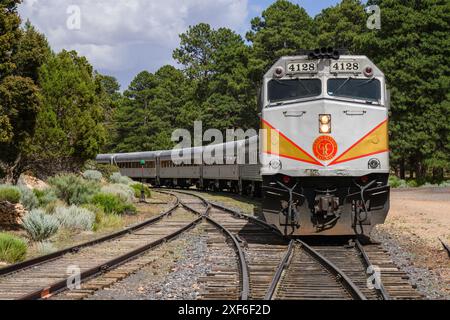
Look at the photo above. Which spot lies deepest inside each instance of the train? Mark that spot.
(322, 153)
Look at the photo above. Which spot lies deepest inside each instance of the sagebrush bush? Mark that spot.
(93, 175)
(445, 184)
(39, 225)
(45, 248)
(28, 199)
(46, 196)
(137, 187)
(125, 192)
(113, 204)
(51, 207)
(10, 193)
(73, 189)
(75, 218)
(12, 249)
(120, 179)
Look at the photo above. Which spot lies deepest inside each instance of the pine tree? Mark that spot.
(19, 100)
(283, 29)
(70, 126)
(413, 48)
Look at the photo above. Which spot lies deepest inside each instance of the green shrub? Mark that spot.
(98, 212)
(10, 193)
(113, 204)
(12, 249)
(125, 192)
(93, 175)
(28, 199)
(39, 225)
(45, 197)
(396, 182)
(137, 187)
(75, 218)
(108, 221)
(412, 184)
(72, 189)
(106, 169)
(119, 179)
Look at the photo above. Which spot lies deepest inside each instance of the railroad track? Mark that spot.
(271, 267)
(249, 260)
(264, 248)
(47, 276)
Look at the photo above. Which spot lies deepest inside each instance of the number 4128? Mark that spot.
(348, 66)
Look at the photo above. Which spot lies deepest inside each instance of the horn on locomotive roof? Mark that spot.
(324, 53)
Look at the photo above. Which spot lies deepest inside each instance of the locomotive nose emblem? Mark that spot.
(325, 148)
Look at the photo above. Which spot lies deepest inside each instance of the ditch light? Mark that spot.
(325, 123)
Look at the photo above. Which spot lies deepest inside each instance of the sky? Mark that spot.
(124, 37)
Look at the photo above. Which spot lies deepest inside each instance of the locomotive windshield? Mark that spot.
(364, 89)
(284, 90)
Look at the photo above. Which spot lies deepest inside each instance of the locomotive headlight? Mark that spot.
(325, 119)
(325, 128)
(325, 123)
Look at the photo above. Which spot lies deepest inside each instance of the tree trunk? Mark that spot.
(438, 174)
(419, 170)
(13, 172)
(402, 169)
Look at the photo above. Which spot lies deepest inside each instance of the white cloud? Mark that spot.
(123, 37)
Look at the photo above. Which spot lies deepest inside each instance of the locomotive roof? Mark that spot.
(282, 62)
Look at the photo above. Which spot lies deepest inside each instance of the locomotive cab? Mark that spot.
(324, 145)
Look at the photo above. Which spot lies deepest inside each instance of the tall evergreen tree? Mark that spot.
(283, 29)
(340, 26)
(217, 61)
(19, 106)
(413, 48)
(32, 52)
(70, 125)
(19, 101)
(9, 35)
(138, 127)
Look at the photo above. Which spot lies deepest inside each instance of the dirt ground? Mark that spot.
(417, 220)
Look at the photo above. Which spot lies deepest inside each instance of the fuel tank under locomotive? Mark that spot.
(303, 206)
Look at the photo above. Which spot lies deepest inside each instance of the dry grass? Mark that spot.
(246, 205)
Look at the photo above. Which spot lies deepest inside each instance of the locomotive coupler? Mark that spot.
(327, 205)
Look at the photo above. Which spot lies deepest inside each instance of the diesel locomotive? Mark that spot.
(323, 149)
